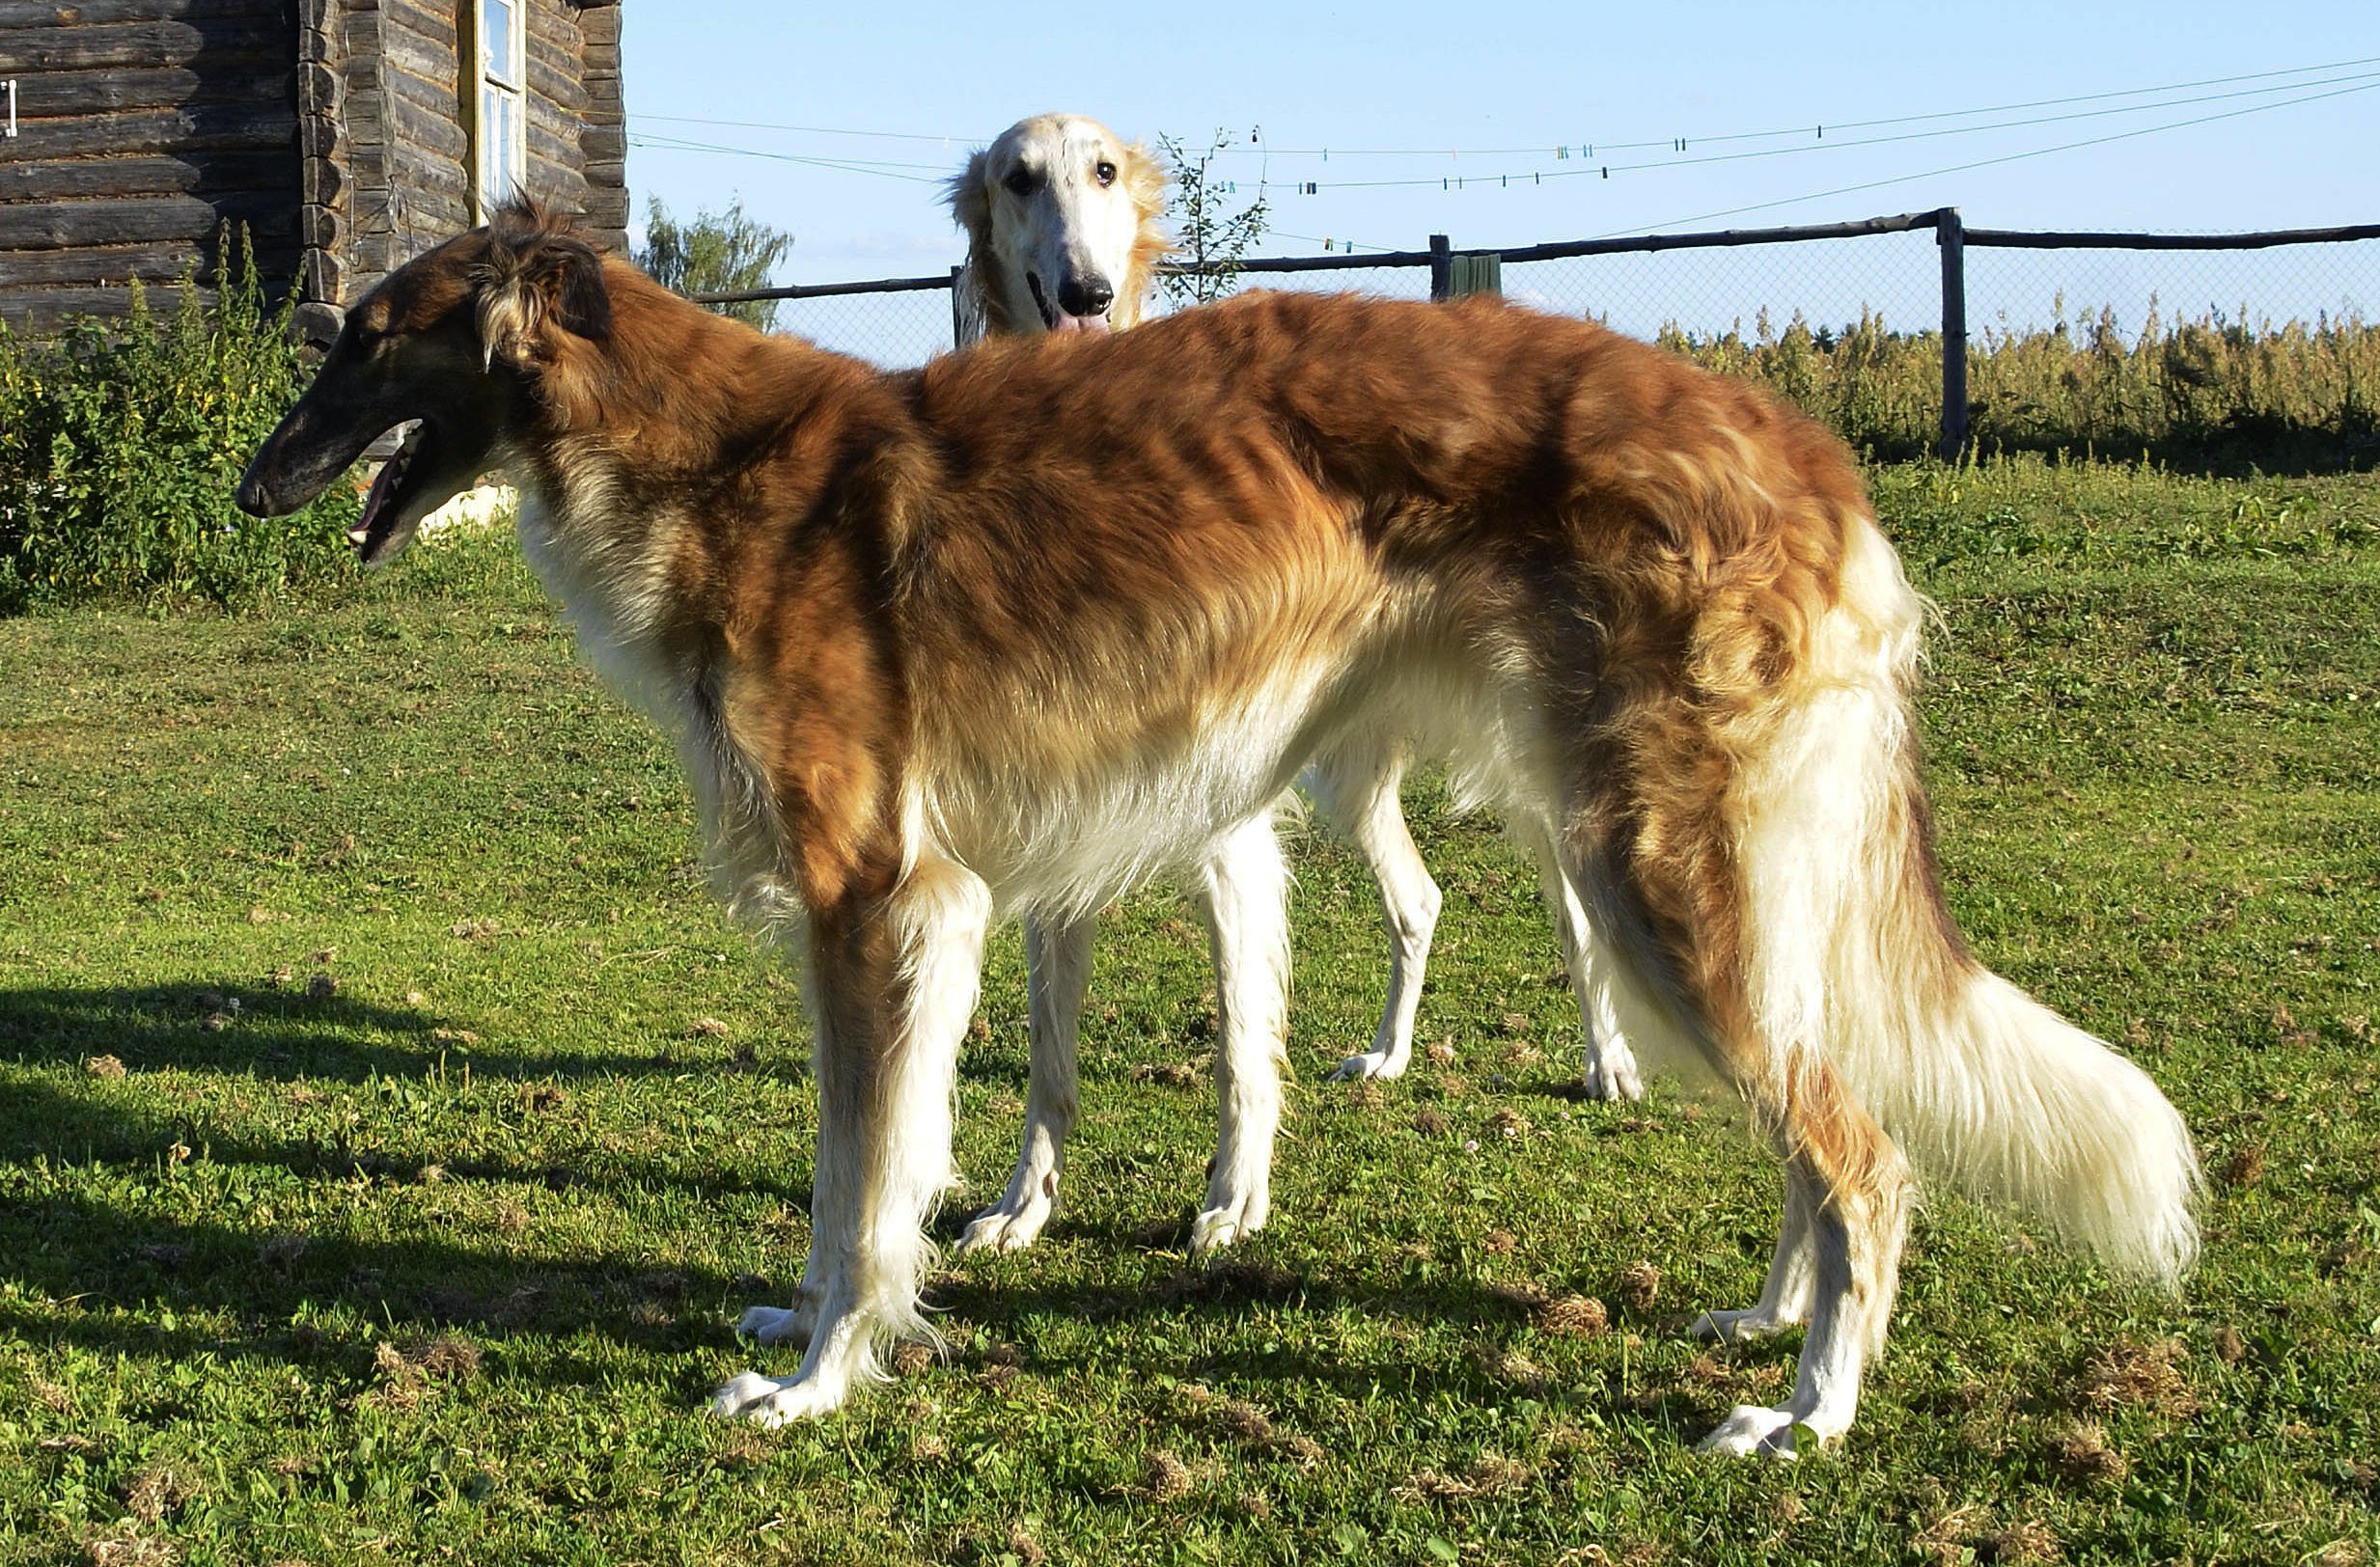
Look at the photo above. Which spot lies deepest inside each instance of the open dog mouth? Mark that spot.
(374, 531)
(1056, 318)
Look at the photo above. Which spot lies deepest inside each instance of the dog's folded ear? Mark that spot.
(970, 196)
(538, 277)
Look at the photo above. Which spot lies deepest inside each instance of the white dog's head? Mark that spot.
(1063, 232)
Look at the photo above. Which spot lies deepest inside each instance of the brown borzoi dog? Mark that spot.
(1059, 196)
(1020, 629)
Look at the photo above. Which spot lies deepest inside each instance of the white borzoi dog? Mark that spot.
(1014, 632)
(1062, 219)
(1064, 229)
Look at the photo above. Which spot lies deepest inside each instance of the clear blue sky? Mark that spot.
(1524, 76)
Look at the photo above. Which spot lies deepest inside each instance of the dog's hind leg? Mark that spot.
(893, 982)
(1792, 1275)
(1856, 1190)
(1243, 895)
(1609, 1066)
(1057, 968)
(1358, 791)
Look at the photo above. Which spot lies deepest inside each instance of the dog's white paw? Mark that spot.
(1380, 1064)
(778, 1325)
(769, 1401)
(1228, 1221)
(1002, 1228)
(1748, 1429)
(1612, 1074)
(1741, 1327)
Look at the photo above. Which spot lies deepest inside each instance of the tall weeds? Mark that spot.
(2215, 391)
(121, 442)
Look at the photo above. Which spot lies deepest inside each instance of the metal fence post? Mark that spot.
(1441, 268)
(1951, 233)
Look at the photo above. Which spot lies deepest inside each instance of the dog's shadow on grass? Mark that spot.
(114, 1279)
(121, 1281)
(141, 1261)
(271, 1033)
(121, 1269)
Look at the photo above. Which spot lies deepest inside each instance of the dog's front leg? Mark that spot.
(1057, 968)
(892, 988)
(1243, 893)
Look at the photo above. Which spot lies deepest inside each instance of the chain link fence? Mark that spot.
(2261, 347)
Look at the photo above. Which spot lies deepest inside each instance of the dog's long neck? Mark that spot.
(658, 451)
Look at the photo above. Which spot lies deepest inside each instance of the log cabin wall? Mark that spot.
(143, 126)
(394, 104)
(337, 131)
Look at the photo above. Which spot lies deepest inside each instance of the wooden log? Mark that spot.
(320, 89)
(599, 25)
(419, 130)
(408, 51)
(199, 173)
(445, 184)
(438, 216)
(94, 266)
(215, 127)
(83, 46)
(59, 225)
(30, 14)
(361, 130)
(320, 181)
(321, 227)
(36, 312)
(427, 94)
(555, 80)
(60, 94)
(435, 26)
(604, 142)
(550, 19)
(323, 276)
(551, 144)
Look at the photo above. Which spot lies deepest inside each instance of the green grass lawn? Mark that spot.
(391, 1129)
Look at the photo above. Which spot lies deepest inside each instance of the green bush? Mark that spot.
(121, 442)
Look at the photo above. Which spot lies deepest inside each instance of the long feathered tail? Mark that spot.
(1983, 1087)
(2017, 1105)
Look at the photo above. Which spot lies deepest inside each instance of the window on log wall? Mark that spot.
(495, 100)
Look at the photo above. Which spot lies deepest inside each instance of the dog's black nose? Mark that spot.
(254, 496)
(1079, 296)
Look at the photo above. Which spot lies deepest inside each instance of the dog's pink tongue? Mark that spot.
(1095, 326)
(383, 485)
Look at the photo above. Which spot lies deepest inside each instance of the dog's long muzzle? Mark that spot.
(1082, 302)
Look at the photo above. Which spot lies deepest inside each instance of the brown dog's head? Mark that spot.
(452, 342)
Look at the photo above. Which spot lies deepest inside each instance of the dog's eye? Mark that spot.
(1020, 182)
(1106, 171)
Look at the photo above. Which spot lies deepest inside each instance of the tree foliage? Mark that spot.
(715, 253)
(1212, 231)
